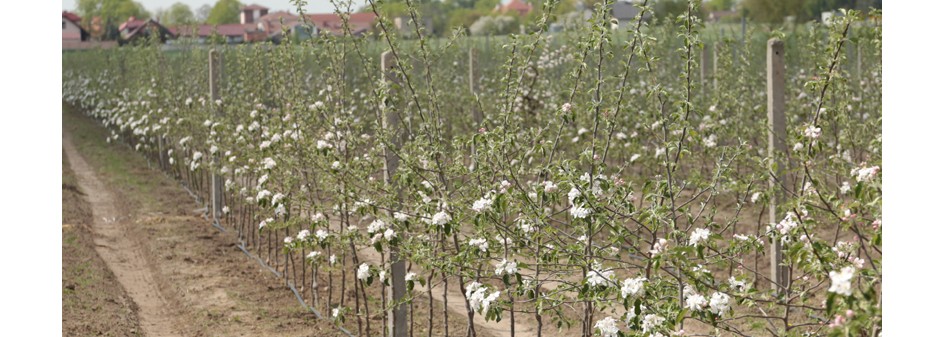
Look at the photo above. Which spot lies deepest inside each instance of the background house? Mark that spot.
(251, 13)
(136, 31)
(359, 23)
(517, 6)
(71, 30)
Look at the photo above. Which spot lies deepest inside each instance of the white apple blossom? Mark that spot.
(631, 286)
(441, 218)
(718, 303)
(376, 226)
(389, 234)
(865, 174)
(652, 321)
(364, 271)
(659, 246)
(482, 204)
(845, 187)
(482, 244)
(841, 281)
(400, 216)
(698, 235)
(476, 295)
(506, 267)
(573, 194)
(566, 107)
(598, 276)
(812, 132)
(695, 301)
(580, 212)
(607, 327)
(737, 284)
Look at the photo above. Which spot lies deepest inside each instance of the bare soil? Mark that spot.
(181, 276)
(93, 302)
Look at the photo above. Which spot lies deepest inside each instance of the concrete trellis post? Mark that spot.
(777, 149)
(397, 318)
(216, 75)
(715, 66)
(704, 65)
(474, 81)
(474, 89)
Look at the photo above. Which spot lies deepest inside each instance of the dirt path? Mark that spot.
(122, 253)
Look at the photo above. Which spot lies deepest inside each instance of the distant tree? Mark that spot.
(486, 5)
(462, 17)
(494, 25)
(177, 14)
(202, 13)
(774, 11)
(111, 13)
(225, 11)
(719, 5)
(671, 9)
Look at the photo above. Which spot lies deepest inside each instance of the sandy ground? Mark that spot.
(138, 261)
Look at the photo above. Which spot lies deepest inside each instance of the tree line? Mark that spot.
(473, 16)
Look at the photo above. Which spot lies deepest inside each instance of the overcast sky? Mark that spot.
(314, 6)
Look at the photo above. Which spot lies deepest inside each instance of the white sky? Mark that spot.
(314, 6)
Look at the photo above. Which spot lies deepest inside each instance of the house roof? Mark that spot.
(516, 5)
(71, 17)
(233, 29)
(253, 7)
(132, 23)
(229, 30)
(357, 22)
(136, 26)
(272, 23)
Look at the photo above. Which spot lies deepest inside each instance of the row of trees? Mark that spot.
(111, 13)
(452, 14)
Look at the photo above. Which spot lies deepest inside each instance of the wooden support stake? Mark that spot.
(715, 66)
(216, 72)
(704, 68)
(397, 317)
(777, 150)
(474, 89)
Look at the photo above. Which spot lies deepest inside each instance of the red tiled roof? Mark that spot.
(71, 17)
(517, 5)
(358, 22)
(231, 29)
(253, 7)
(135, 27)
(272, 23)
(131, 24)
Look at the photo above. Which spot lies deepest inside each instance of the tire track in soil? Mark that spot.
(121, 252)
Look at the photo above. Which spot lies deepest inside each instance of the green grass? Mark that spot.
(116, 162)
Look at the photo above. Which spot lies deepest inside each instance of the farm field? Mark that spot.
(666, 180)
